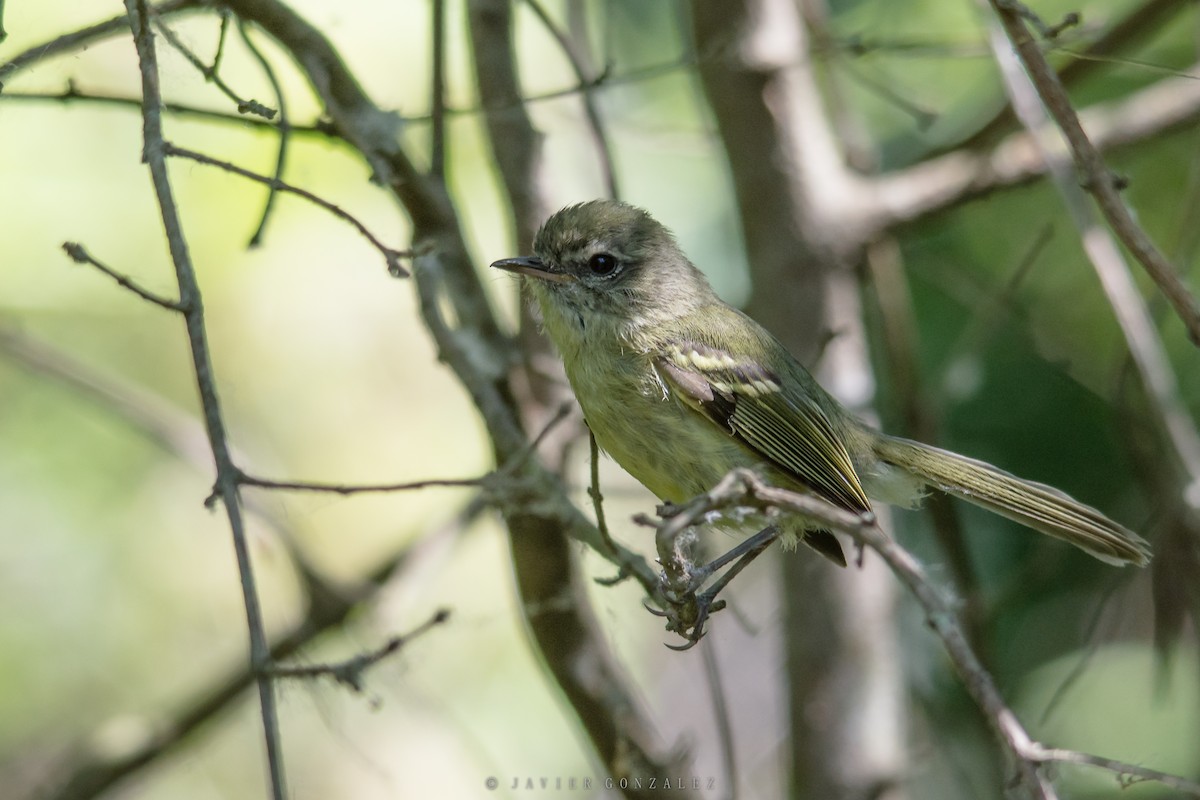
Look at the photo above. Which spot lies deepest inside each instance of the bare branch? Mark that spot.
(189, 298)
(78, 40)
(284, 126)
(363, 488)
(73, 94)
(494, 481)
(1096, 177)
(81, 256)
(391, 256)
(212, 76)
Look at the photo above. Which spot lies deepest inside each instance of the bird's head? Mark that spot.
(608, 260)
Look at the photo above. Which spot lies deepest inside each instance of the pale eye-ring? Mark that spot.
(602, 264)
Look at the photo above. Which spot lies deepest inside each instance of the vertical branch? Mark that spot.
(437, 104)
(226, 488)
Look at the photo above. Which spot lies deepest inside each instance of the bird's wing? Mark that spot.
(771, 416)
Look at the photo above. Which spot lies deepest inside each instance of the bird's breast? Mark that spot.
(653, 435)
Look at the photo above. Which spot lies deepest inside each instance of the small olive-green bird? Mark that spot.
(680, 388)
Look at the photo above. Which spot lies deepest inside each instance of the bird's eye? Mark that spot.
(602, 264)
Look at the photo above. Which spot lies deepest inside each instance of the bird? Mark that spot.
(680, 388)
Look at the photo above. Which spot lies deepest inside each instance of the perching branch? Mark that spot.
(743, 489)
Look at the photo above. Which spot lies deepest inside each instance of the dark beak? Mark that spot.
(532, 266)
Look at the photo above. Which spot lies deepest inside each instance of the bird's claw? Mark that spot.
(686, 613)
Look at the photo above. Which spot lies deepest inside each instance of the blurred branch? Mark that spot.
(92, 774)
(915, 192)
(716, 691)
(351, 671)
(1139, 330)
(1097, 179)
(437, 91)
(587, 84)
(390, 255)
(171, 430)
(193, 314)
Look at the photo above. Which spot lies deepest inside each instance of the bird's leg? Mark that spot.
(688, 609)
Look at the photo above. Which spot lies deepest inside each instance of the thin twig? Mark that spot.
(391, 255)
(284, 126)
(351, 671)
(189, 297)
(72, 93)
(1139, 23)
(1126, 774)
(211, 75)
(490, 482)
(222, 36)
(81, 256)
(594, 491)
(364, 488)
(1095, 175)
(78, 40)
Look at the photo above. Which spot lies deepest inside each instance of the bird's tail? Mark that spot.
(1041, 507)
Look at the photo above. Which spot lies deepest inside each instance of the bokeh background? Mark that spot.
(119, 589)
